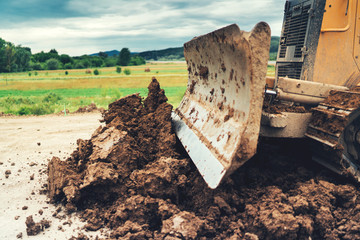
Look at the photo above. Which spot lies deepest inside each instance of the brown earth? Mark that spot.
(344, 100)
(90, 108)
(133, 177)
(277, 107)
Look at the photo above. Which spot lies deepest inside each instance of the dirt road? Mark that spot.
(26, 146)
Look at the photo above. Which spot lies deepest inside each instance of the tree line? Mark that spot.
(19, 59)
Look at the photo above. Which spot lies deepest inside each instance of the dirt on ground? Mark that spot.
(134, 178)
(90, 108)
(27, 144)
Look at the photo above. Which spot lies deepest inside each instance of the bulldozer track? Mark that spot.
(334, 133)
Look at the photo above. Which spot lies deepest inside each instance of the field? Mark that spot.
(45, 92)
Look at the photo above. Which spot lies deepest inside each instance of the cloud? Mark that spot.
(77, 27)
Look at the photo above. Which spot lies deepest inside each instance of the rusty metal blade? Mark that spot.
(218, 119)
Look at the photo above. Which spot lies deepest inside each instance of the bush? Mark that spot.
(96, 72)
(66, 73)
(36, 66)
(29, 74)
(68, 66)
(40, 110)
(24, 111)
(118, 69)
(127, 71)
(52, 98)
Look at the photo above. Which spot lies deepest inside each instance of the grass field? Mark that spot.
(44, 92)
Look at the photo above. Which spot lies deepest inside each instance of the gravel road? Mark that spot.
(26, 146)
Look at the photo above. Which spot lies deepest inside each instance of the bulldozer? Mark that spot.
(229, 101)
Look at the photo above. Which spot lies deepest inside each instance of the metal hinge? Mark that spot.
(311, 12)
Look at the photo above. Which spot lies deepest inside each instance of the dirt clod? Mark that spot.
(33, 228)
(133, 177)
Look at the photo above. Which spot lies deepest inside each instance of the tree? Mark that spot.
(103, 55)
(64, 58)
(52, 64)
(54, 51)
(137, 60)
(96, 61)
(68, 66)
(2, 55)
(110, 61)
(9, 56)
(22, 58)
(124, 57)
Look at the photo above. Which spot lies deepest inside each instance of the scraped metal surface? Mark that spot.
(218, 119)
(210, 168)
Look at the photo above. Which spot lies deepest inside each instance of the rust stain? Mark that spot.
(229, 115)
(231, 75)
(242, 80)
(192, 86)
(221, 106)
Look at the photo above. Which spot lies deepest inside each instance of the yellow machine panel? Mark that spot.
(338, 47)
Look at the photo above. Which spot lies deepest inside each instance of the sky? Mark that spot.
(78, 27)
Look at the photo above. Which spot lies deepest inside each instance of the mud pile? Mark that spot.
(90, 108)
(134, 178)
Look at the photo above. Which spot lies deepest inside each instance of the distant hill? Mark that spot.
(169, 54)
(111, 53)
(161, 55)
(165, 54)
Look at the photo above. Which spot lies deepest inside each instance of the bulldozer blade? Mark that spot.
(218, 119)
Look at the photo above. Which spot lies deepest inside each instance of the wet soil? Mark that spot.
(134, 178)
(344, 100)
(277, 107)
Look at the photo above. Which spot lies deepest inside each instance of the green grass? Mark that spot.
(24, 93)
(50, 91)
(13, 101)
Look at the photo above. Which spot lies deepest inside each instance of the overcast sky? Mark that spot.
(77, 27)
